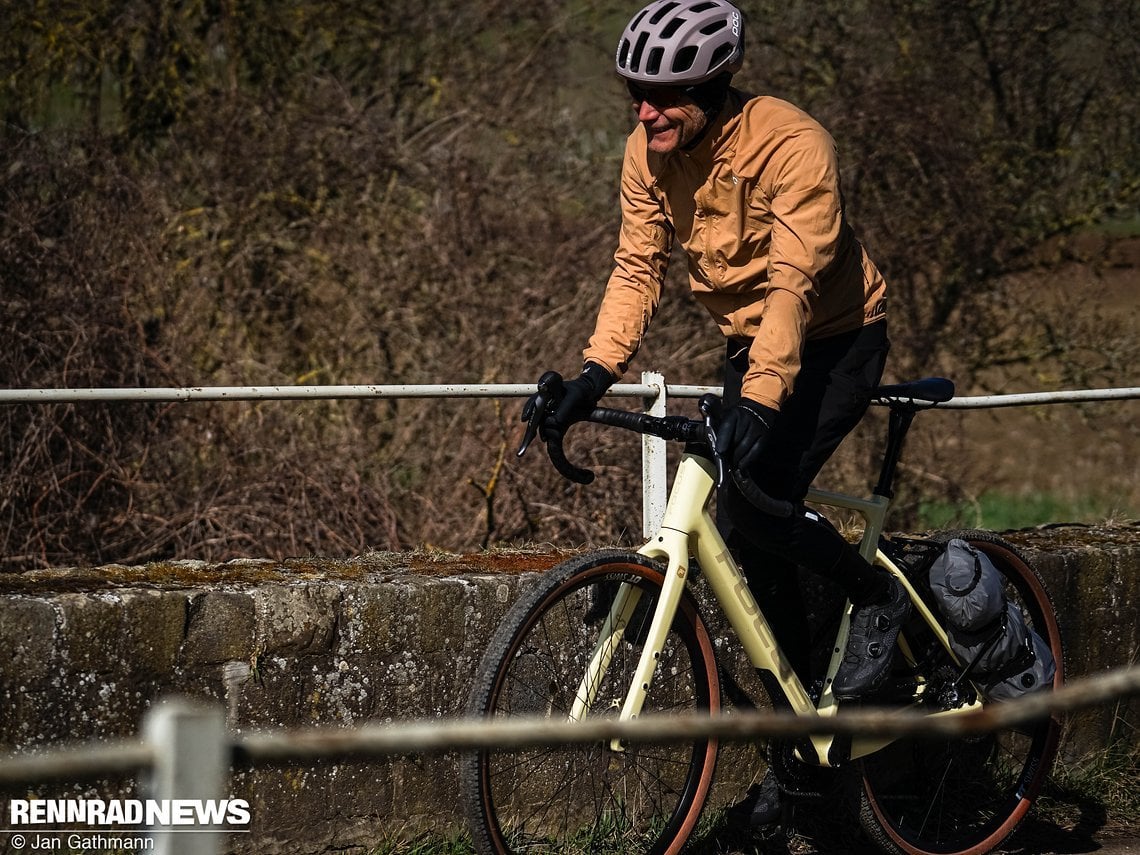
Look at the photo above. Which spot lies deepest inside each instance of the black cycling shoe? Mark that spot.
(871, 644)
(762, 806)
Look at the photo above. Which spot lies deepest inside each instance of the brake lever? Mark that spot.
(531, 430)
(549, 394)
(710, 406)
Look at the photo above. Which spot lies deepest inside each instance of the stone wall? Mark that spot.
(84, 653)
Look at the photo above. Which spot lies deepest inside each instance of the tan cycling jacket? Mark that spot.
(757, 207)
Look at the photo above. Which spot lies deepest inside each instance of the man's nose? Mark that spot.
(646, 112)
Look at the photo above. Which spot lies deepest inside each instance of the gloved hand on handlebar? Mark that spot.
(579, 398)
(741, 433)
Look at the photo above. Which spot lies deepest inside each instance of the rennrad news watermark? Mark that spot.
(115, 825)
(134, 812)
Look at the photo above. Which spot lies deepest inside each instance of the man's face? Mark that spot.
(671, 118)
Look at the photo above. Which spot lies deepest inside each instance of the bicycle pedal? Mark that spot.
(899, 690)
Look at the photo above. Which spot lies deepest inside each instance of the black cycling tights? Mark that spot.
(832, 392)
(769, 551)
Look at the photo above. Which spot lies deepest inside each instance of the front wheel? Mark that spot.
(543, 661)
(965, 796)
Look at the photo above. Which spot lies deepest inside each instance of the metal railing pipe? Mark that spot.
(653, 389)
(293, 393)
(1075, 396)
(438, 736)
(649, 390)
(433, 737)
(85, 762)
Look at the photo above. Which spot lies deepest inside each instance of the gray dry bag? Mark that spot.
(1003, 656)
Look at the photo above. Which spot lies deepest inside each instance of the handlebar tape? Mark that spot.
(636, 422)
(558, 457)
(761, 500)
(668, 427)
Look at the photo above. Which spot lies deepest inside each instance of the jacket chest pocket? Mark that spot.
(757, 207)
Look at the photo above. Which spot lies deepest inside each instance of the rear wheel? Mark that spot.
(967, 795)
(590, 797)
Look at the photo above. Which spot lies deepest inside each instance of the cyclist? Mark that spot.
(750, 188)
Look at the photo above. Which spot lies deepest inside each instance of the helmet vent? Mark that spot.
(671, 28)
(683, 61)
(638, 49)
(653, 64)
(623, 53)
(703, 7)
(720, 54)
(662, 12)
(714, 27)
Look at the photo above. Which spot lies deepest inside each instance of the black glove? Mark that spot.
(578, 400)
(741, 433)
(582, 395)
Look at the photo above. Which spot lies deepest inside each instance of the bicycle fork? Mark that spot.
(613, 631)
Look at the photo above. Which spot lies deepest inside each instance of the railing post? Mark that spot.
(654, 465)
(190, 761)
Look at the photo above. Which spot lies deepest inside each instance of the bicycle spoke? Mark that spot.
(609, 800)
(968, 794)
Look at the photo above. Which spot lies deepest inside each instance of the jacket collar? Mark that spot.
(718, 138)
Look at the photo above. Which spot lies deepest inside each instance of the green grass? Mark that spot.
(457, 843)
(1098, 788)
(1101, 784)
(1118, 227)
(1001, 511)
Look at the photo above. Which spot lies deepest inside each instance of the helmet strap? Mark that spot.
(710, 97)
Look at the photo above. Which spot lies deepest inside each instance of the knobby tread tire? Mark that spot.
(559, 584)
(876, 819)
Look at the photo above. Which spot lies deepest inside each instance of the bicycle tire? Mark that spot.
(587, 797)
(966, 796)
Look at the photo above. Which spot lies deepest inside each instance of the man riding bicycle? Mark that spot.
(750, 187)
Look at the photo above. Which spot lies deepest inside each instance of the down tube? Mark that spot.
(731, 589)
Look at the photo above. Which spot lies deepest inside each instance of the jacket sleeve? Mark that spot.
(802, 181)
(633, 291)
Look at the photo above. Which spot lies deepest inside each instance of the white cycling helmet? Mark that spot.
(681, 43)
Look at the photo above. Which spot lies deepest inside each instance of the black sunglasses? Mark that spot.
(659, 96)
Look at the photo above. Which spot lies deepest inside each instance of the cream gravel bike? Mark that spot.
(620, 633)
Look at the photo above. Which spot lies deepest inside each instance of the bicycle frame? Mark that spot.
(689, 529)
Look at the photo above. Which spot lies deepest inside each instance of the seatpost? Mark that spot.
(901, 417)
